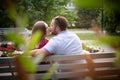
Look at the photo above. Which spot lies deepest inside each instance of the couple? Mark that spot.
(64, 43)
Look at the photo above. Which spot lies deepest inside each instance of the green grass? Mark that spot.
(86, 36)
(82, 36)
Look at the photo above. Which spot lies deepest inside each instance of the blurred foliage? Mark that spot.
(39, 9)
(17, 40)
(111, 17)
(110, 14)
(18, 15)
(4, 18)
(87, 16)
(26, 63)
(69, 14)
(34, 9)
(88, 3)
(114, 42)
(23, 62)
(35, 38)
(9, 9)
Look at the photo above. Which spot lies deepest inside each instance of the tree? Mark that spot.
(86, 16)
(70, 15)
(5, 21)
(111, 13)
(111, 17)
(35, 9)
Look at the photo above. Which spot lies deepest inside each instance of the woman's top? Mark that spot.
(42, 43)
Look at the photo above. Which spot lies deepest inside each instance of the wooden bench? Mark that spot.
(6, 68)
(97, 66)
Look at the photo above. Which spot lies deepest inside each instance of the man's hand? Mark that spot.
(35, 52)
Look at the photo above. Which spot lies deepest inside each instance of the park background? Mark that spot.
(100, 16)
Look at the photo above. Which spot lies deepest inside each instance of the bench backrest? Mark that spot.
(6, 68)
(98, 66)
(95, 65)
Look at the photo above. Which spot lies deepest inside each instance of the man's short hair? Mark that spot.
(62, 22)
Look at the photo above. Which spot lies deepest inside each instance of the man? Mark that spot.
(64, 43)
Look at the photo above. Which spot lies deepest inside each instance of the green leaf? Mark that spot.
(12, 11)
(88, 3)
(15, 38)
(27, 63)
(38, 58)
(113, 41)
(34, 39)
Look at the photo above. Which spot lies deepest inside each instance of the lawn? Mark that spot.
(82, 36)
(87, 36)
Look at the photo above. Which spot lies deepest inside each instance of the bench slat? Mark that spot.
(78, 57)
(4, 69)
(64, 58)
(71, 66)
(107, 72)
(63, 66)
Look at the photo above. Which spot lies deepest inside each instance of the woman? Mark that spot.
(43, 27)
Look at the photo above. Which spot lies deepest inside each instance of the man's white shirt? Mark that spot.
(64, 43)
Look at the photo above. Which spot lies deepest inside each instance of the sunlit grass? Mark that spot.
(87, 36)
(82, 36)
